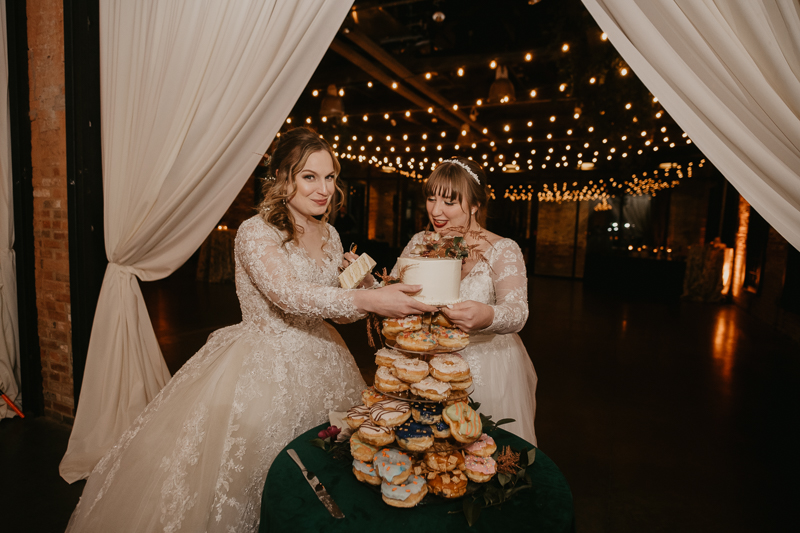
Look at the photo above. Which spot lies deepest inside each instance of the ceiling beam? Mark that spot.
(379, 75)
(387, 60)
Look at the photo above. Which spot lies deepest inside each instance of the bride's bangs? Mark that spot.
(445, 181)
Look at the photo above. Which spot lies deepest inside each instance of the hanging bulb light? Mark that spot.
(331, 104)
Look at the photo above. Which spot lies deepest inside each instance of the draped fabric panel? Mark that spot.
(9, 327)
(728, 72)
(192, 93)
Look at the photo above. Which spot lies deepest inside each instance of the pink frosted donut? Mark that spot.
(483, 447)
(479, 469)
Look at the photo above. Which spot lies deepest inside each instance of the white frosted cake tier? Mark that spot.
(440, 278)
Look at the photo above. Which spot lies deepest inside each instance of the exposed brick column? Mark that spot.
(49, 172)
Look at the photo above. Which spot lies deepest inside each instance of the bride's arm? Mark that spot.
(510, 311)
(511, 289)
(266, 264)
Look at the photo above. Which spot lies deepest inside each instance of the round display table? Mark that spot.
(289, 503)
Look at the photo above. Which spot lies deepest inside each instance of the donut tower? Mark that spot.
(415, 432)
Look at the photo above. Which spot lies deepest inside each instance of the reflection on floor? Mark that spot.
(663, 417)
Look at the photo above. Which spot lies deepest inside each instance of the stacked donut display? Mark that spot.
(415, 432)
(411, 333)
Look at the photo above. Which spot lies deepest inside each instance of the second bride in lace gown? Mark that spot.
(196, 458)
(494, 296)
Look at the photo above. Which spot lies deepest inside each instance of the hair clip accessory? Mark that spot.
(465, 167)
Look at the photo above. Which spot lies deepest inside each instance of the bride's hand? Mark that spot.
(470, 315)
(392, 301)
(349, 258)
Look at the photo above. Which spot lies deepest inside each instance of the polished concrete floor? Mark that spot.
(663, 416)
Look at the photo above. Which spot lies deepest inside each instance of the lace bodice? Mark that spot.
(280, 286)
(500, 282)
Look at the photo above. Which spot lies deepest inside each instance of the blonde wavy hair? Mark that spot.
(280, 186)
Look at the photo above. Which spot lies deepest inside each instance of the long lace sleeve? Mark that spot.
(511, 288)
(268, 266)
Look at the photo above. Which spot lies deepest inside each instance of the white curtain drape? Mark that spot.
(728, 72)
(9, 327)
(192, 93)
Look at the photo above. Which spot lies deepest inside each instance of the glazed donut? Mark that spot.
(441, 430)
(413, 436)
(371, 397)
(361, 450)
(480, 469)
(449, 367)
(416, 341)
(426, 413)
(390, 413)
(440, 320)
(450, 338)
(387, 356)
(483, 447)
(393, 326)
(385, 381)
(374, 434)
(461, 385)
(465, 423)
(410, 370)
(443, 461)
(447, 484)
(431, 389)
(356, 416)
(406, 494)
(392, 465)
(365, 472)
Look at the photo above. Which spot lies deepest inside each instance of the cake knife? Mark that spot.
(319, 490)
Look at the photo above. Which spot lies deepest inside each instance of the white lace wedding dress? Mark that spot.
(195, 460)
(502, 372)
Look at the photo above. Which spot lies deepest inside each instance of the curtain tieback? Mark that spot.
(125, 269)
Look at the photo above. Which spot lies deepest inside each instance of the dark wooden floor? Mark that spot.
(662, 416)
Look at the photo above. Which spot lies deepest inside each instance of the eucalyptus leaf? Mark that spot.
(531, 456)
(319, 443)
(474, 405)
(503, 421)
(503, 478)
(472, 511)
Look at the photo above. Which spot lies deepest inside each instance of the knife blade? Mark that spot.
(319, 489)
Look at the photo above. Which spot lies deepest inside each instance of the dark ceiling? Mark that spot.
(402, 68)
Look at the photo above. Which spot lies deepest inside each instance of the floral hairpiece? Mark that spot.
(465, 167)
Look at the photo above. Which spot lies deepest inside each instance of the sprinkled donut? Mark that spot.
(365, 472)
(480, 469)
(416, 341)
(407, 494)
(450, 337)
(394, 326)
(426, 413)
(413, 436)
(360, 449)
(483, 447)
(392, 465)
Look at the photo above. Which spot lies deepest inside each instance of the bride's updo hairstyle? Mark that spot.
(280, 186)
(460, 178)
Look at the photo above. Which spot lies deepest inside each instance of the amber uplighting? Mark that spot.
(725, 337)
(741, 247)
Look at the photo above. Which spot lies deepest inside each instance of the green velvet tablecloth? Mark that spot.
(289, 504)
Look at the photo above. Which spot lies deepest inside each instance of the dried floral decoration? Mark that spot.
(452, 246)
(508, 461)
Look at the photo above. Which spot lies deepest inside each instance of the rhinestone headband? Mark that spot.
(465, 167)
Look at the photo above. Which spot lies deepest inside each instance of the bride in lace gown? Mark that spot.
(494, 296)
(196, 458)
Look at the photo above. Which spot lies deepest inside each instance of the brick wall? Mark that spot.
(49, 161)
(555, 239)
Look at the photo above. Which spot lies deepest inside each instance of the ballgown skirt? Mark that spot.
(197, 457)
